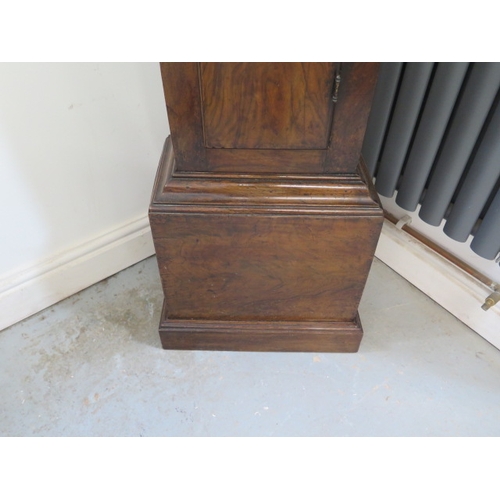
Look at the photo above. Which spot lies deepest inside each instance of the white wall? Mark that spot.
(79, 147)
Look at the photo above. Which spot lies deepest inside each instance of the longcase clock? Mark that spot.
(263, 217)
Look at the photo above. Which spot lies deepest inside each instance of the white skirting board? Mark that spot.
(28, 291)
(451, 287)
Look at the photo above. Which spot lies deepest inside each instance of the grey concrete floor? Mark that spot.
(92, 365)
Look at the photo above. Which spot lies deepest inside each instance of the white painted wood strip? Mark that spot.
(27, 291)
(451, 287)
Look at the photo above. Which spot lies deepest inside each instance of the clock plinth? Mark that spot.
(265, 264)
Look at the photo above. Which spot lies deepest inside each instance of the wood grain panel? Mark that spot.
(263, 268)
(267, 105)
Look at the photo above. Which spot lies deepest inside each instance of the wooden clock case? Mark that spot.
(263, 217)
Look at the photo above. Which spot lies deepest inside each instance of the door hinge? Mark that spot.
(336, 87)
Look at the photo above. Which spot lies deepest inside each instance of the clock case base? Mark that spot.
(262, 262)
(266, 336)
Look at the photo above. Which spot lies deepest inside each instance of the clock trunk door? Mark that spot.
(253, 117)
(267, 106)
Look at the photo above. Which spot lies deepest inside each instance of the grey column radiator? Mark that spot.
(434, 138)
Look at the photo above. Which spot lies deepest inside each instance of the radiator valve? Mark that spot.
(491, 300)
